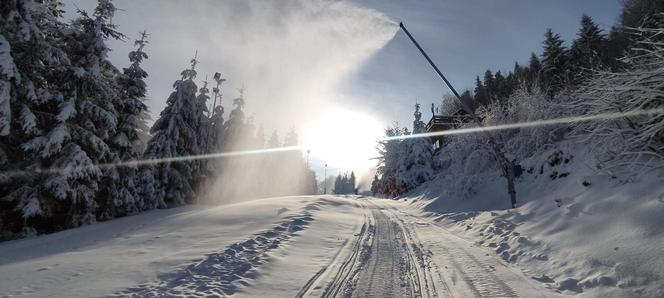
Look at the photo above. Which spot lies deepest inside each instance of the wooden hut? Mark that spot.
(444, 122)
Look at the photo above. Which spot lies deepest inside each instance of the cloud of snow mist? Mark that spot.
(291, 56)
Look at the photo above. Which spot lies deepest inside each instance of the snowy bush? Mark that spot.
(631, 139)
(526, 105)
(467, 159)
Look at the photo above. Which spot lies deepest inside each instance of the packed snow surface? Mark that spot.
(329, 246)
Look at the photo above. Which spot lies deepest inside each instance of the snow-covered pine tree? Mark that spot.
(480, 95)
(66, 112)
(89, 116)
(554, 61)
(217, 128)
(534, 71)
(234, 127)
(203, 132)
(418, 125)
(489, 85)
(337, 185)
(389, 154)
(273, 142)
(291, 138)
(375, 185)
(32, 66)
(351, 182)
(175, 135)
(8, 73)
(204, 124)
(415, 162)
(587, 51)
(120, 196)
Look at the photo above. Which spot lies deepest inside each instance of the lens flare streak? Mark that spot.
(134, 163)
(564, 120)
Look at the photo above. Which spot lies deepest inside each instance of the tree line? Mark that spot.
(345, 184)
(73, 125)
(615, 72)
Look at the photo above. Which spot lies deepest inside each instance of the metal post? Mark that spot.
(506, 165)
(308, 152)
(325, 181)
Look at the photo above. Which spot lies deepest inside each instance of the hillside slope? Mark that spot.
(576, 230)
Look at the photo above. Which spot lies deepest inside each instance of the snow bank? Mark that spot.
(577, 231)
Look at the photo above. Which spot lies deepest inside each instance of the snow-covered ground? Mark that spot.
(601, 241)
(576, 231)
(281, 247)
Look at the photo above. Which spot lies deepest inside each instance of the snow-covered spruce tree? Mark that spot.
(273, 142)
(418, 125)
(174, 134)
(204, 124)
(90, 116)
(234, 127)
(120, 195)
(203, 132)
(415, 167)
(630, 140)
(390, 151)
(587, 52)
(534, 71)
(415, 162)
(217, 129)
(32, 66)
(66, 112)
(352, 182)
(344, 184)
(8, 73)
(337, 185)
(554, 73)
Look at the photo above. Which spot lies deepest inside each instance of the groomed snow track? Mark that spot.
(383, 259)
(386, 258)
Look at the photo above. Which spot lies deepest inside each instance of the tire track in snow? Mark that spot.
(387, 271)
(477, 276)
(220, 273)
(422, 263)
(346, 270)
(381, 262)
(346, 267)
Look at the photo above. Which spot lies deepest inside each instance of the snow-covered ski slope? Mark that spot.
(318, 246)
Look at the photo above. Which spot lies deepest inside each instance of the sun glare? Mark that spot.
(343, 138)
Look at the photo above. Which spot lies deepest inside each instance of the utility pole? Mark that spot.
(507, 166)
(325, 181)
(308, 152)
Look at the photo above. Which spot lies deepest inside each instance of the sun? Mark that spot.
(343, 138)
